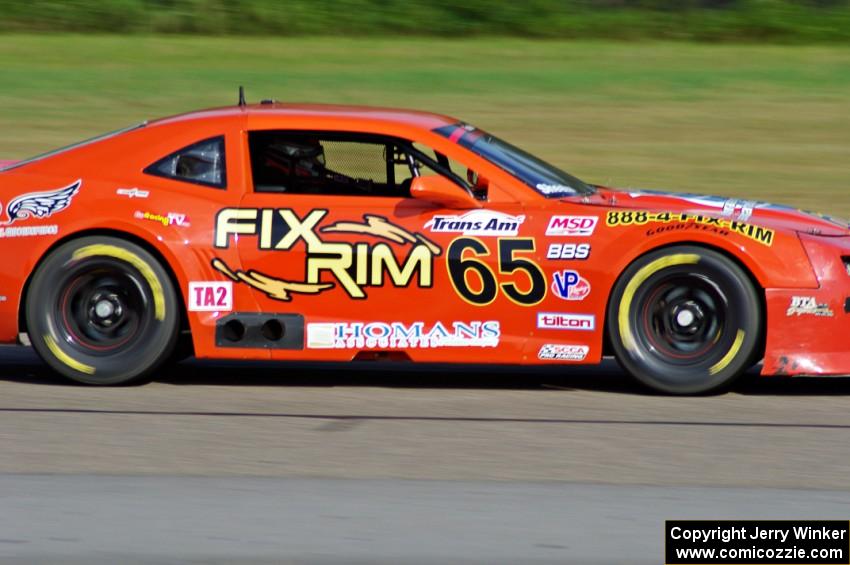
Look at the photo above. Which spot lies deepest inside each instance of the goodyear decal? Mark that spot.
(758, 234)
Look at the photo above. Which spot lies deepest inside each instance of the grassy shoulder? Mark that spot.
(801, 21)
(768, 122)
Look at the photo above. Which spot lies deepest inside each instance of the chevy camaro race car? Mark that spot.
(338, 233)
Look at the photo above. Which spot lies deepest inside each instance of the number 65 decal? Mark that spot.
(464, 257)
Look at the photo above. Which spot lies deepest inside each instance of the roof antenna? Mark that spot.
(242, 96)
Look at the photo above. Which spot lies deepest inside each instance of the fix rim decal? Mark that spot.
(353, 266)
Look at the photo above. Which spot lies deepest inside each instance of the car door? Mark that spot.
(330, 238)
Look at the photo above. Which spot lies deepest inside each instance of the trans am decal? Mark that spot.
(639, 217)
(477, 222)
(354, 266)
(398, 335)
(41, 204)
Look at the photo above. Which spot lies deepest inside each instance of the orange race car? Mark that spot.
(308, 232)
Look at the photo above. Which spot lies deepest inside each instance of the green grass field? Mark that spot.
(769, 122)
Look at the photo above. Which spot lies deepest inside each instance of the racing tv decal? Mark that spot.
(354, 266)
(41, 204)
(758, 234)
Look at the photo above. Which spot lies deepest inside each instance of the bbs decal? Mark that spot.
(568, 251)
(519, 278)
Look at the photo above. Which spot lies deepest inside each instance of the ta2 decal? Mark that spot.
(211, 296)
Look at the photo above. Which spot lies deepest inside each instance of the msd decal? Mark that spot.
(570, 285)
(212, 296)
(399, 335)
(477, 222)
(571, 225)
(558, 321)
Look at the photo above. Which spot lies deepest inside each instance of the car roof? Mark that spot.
(394, 116)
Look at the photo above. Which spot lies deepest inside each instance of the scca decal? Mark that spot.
(636, 217)
(354, 266)
(463, 257)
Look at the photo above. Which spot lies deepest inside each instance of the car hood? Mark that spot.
(776, 216)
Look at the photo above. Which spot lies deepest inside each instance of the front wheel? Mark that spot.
(103, 311)
(685, 320)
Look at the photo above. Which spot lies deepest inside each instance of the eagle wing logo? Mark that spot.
(42, 204)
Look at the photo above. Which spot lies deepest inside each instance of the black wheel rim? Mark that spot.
(684, 319)
(102, 305)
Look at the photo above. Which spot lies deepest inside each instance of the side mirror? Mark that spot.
(442, 191)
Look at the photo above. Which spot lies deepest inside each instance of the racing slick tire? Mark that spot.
(685, 320)
(102, 311)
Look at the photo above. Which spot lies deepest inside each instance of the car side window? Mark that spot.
(200, 163)
(334, 163)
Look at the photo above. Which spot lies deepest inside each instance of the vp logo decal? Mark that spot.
(570, 285)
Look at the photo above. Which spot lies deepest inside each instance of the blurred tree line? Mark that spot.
(701, 20)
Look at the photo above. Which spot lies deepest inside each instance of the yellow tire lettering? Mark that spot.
(736, 347)
(65, 358)
(101, 249)
(638, 279)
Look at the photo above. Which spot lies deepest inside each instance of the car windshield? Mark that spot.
(17, 164)
(549, 181)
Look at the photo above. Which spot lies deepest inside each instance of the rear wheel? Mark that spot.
(102, 310)
(685, 320)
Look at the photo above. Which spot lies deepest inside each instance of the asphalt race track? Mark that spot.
(228, 463)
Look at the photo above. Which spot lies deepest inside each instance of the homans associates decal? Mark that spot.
(401, 335)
